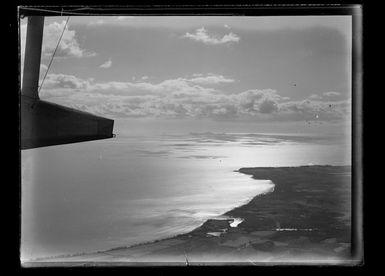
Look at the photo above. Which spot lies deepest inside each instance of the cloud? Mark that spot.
(203, 36)
(315, 110)
(43, 67)
(184, 98)
(315, 97)
(331, 94)
(211, 79)
(107, 64)
(58, 84)
(256, 101)
(68, 47)
(268, 106)
(179, 87)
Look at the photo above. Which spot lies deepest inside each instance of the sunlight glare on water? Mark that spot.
(103, 194)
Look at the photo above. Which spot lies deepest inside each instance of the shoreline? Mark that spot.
(269, 226)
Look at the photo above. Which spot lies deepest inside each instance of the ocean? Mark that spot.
(98, 195)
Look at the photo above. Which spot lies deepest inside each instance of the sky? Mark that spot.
(170, 72)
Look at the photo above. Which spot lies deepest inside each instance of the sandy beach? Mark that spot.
(305, 219)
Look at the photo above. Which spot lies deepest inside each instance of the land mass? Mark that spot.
(306, 219)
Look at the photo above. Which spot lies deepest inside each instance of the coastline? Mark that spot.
(306, 219)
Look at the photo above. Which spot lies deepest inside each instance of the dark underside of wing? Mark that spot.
(46, 124)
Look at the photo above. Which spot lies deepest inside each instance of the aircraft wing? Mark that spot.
(43, 123)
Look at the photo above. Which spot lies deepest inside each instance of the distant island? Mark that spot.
(306, 219)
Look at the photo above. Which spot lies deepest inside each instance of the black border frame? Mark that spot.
(354, 10)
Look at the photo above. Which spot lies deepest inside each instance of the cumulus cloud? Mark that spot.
(68, 47)
(107, 64)
(211, 79)
(63, 85)
(315, 97)
(179, 87)
(331, 94)
(182, 97)
(268, 106)
(324, 96)
(203, 36)
(43, 67)
(253, 102)
(315, 110)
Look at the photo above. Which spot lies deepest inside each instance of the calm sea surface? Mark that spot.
(103, 194)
